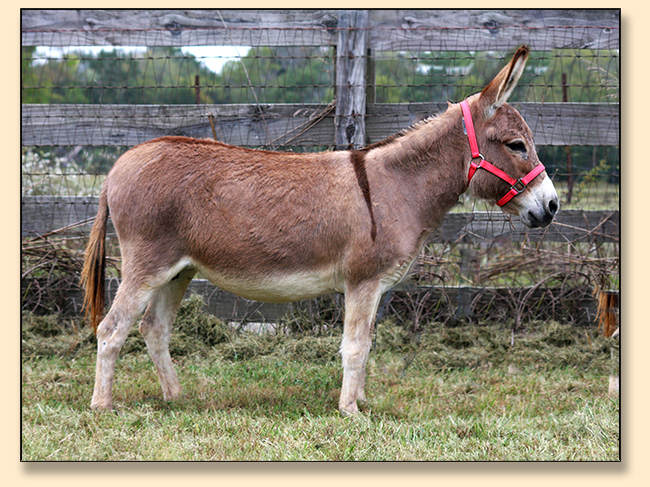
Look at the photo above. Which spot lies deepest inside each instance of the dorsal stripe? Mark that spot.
(358, 158)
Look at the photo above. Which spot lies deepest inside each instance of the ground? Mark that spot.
(472, 392)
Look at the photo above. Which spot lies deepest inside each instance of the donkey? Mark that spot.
(279, 227)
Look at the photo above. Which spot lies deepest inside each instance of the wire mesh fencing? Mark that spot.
(95, 83)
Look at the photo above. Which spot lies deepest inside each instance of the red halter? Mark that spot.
(516, 185)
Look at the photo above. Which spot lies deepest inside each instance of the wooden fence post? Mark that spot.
(351, 67)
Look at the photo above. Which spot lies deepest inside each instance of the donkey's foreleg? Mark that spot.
(111, 334)
(156, 327)
(361, 303)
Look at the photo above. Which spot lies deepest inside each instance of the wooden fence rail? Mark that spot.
(287, 124)
(46, 214)
(390, 30)
(578, 305)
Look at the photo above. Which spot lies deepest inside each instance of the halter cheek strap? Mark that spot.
(516, 185)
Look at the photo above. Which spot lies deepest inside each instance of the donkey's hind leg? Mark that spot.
(156, 327)
(129, 303)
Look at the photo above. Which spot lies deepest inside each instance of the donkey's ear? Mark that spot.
(497, 92)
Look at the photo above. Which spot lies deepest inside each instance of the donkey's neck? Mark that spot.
(431, 160)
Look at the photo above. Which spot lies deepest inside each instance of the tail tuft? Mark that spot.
(92, 276)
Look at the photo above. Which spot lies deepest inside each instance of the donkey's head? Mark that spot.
(515, 179)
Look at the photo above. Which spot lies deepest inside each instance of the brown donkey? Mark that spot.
(280, 227)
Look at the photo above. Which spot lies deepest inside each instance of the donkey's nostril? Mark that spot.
(553, 206)
(533, 221)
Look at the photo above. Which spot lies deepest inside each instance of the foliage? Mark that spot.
(585, 70)
(45, 172)
(306, 75)
(167, 76)
(591, 178)
(441, 76)
(151, 76)
(277, 75)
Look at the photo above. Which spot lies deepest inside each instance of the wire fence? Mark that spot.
(95, 83)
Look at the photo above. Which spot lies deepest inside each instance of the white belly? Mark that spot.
(278, 287)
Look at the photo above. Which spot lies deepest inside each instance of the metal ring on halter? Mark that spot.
(514, 186)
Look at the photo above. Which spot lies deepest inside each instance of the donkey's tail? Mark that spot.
(92, 276)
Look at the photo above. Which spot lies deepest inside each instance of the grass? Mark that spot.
(459, 393)
(588, 195)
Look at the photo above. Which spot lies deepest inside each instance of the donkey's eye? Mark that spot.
(516, 145)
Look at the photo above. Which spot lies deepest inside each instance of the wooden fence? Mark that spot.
(353, 119)
(357, 37)
(390, 30)
(45, 214)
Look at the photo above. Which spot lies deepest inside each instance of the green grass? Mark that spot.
(589, 195)
(453, 394)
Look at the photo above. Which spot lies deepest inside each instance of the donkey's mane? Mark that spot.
(404, 132)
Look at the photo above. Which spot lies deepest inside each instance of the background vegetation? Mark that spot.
(306, 75)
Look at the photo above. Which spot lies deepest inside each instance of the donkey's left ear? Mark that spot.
(500, 88)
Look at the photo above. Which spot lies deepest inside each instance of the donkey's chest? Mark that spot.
(396, 273)
(403, 256)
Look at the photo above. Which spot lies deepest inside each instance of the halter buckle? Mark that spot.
(514, 186)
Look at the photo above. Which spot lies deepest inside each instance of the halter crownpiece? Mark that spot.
(516, 185)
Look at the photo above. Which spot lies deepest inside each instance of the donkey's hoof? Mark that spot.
(172, 396)
(101, 406)
(349, 410)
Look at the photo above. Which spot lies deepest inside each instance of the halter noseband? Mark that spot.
(516, 185)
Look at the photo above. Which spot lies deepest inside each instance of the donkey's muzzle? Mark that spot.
(542, 217)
